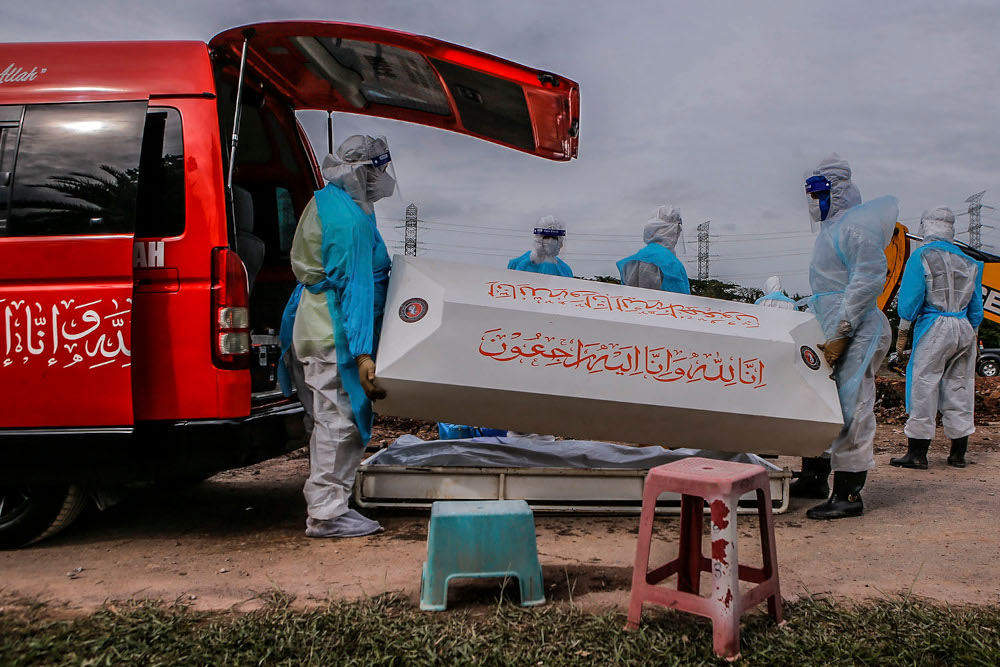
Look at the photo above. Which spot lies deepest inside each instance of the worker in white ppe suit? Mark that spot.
(941, 304)
(332, 323)
(547, 238)
(847, 274)
(773, 296)
(656, 266)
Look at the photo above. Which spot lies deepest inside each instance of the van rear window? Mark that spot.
(77, 169)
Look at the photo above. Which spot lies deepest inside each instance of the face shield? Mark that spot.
(818, 190)
(548, 237)
(362, 166)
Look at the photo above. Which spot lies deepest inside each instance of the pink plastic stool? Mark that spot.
(720, 483)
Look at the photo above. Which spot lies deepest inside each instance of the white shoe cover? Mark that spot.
(351, 524)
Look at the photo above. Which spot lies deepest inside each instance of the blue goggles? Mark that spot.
(818, 184)
(545, 231)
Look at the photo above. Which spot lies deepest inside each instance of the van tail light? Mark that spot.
(230, 311)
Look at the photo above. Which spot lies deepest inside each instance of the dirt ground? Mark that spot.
(225, 542)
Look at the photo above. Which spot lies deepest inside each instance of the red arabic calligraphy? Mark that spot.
(625, 304)
(64, 333)
(662, 364)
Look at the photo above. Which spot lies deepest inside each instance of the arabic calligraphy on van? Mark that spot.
(592, 300)
(660, 364)
(65, 333)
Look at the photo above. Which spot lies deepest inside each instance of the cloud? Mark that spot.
(717, 108)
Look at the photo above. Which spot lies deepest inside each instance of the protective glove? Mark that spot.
(902, 342)
(834, 347)
(366, 373)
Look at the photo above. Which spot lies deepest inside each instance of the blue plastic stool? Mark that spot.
(491, 538)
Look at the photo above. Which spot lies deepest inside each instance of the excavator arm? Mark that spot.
(896, 254)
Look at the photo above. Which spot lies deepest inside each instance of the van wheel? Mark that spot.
(989, 368)
(31, 513)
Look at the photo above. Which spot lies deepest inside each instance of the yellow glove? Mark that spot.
(833, 349)
(366, 373)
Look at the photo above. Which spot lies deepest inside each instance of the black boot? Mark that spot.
(916, 455)
(812, 482)
(846, 498)
(957, 457)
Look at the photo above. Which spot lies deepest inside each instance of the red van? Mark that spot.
(143, 269)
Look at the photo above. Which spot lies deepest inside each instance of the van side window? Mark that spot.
(10, 120)
(160, 207)
(77, 169)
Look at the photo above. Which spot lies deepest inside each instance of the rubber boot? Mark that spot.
(812, 482)
(956, 458)
(846, 498)
(916, 455)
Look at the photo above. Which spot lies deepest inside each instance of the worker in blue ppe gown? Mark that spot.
(656, 266)
(331, 326)
(847, 274)
(548, 237)
(774, 297)
(942, 294)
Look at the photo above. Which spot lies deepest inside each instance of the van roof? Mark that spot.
(40, 72)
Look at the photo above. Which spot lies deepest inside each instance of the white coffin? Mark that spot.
(588, 360)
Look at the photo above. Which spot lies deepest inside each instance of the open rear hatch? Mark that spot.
(391, 74)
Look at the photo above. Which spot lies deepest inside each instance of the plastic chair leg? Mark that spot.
(532, 588)
(689, 550)
(641, 566)
(725, 578)
(770, 552)
(433, 592)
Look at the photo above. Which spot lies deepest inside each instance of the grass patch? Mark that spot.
(389, 630)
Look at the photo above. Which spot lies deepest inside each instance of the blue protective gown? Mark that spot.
(357, 275)
(524, 263)
(942, 294)
(673, 276)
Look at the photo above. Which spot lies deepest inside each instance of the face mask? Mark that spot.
(550, 247)
(378, 185)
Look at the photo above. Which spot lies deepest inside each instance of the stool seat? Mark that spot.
(720, 484)
(478, 539)
(699, 470)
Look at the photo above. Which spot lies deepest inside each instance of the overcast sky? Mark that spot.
(718, 108)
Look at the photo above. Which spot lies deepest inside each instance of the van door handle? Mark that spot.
(4, 179)
(157, 280)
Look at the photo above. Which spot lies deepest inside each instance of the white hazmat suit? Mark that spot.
(847, 274)
(941, 293)
(547, 241)
(774, 297)
(331, 325)
(656, 265)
